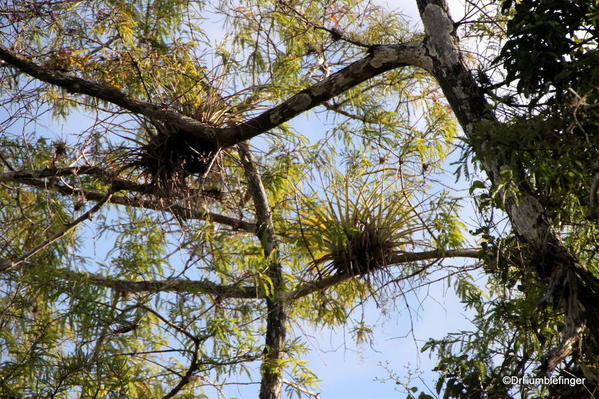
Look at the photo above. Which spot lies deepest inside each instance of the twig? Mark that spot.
(306, 391)
(15, 264)
(186, 379)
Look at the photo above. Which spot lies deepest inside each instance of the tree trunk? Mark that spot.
(570, 284)
(276, 318)
(272, 377)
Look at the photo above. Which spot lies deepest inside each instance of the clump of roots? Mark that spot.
(169, 156)
(365, 250)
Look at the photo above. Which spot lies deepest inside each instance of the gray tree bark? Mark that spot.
(271, 383)
(571, 285)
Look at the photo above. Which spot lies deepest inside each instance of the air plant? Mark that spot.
(167, 156)
(359, 226)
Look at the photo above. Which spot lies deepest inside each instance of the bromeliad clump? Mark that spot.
(365, 248)
(165, 155)
(169, 156)
(359, 227)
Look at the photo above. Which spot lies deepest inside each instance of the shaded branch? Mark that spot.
(52, 172)
(106, 176)
(323, 283)
(179, 211)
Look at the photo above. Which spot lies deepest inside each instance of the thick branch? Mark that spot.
(553, 262)
(107, 93)
(379, 60)
(169, 285)
(52, 172)
(265, 228)
(250, 292)
(102, 174)
(276, 318)
(318, 285)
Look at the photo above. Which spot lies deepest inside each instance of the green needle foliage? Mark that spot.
(191, 190)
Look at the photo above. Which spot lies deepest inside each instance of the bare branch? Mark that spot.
(336, 34)
(186, 379)
(336, 108)
(194, 364)
(104, 175)
(179, 211)
(170, 285)
(300, 388)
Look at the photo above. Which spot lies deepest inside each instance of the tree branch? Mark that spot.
(329, 281)
(265, 229)
(276, 317)
(250, 292)
(107, 93)
(139, 202)
(336, 108)
(186, 379)
(170, 285)
(104, 175)
(381, 58)
(16, 264)
(551, 260)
